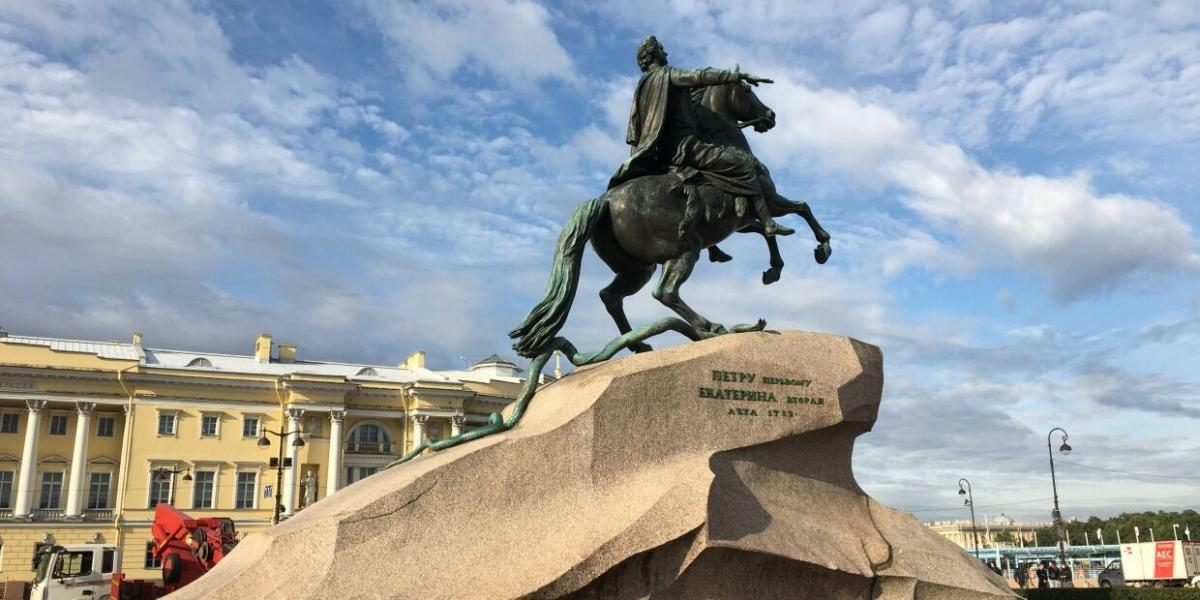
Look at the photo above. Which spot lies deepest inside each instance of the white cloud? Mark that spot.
(1059, 227)
(435, 40)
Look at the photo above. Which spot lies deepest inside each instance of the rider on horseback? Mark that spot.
(664, 133)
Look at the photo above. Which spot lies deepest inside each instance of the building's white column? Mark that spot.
(293, 452)
(75, 485)
(456, 423)
(29, 454)
(335, 451)
(418, 430)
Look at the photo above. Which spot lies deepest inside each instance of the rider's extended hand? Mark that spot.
(755, 80)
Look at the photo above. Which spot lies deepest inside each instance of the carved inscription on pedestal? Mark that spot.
(762, 395)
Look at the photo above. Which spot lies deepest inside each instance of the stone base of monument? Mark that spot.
(717, 470)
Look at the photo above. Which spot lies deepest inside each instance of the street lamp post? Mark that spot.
(1065, 448)
(264, 442)
(163, 472)
(970, 501)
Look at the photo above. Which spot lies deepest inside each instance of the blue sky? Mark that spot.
(1011, 190)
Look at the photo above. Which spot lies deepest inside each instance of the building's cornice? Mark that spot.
(61, 397)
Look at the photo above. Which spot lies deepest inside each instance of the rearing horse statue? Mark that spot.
(634, 227)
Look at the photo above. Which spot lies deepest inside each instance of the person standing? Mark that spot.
(1021, 575)
(1065, 576)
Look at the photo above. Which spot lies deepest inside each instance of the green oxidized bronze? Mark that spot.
(690, 182)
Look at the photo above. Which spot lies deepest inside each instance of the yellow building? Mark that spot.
(94, 434)
(1000, 532)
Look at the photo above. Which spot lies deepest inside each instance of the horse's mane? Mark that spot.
(716, 128)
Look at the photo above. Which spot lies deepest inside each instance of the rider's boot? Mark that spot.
(770, 227)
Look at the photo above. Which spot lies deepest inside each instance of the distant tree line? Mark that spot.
(1160, 522)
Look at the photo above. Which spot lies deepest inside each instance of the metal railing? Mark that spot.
(370, 447)
(6, 513)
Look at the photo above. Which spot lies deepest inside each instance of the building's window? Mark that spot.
(108, 560)
(58, 424)
(75, 564)
(247, 489)
(368, 433)
(105, 426)
(312, 426)
(51, 496)
(152, 561)
(166, 424)
(98, 490)
(203, 488)
(160, 489)
(208, 425)
(356, 473)
(10, 422)
(6, 489)
(250, 427)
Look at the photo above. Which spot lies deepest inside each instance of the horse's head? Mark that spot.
(744, 106)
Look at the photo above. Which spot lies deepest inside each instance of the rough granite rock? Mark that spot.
(716, 470)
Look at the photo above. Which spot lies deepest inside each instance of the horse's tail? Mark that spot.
(547, 318)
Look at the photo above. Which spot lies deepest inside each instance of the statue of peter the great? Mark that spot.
(665, 133)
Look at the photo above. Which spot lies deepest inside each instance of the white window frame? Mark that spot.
(254, 495)
(154, 466)
(15, 414)
(114, 426)
(206, 415)
(174, 414)
(50, 424)
(153, 563)
(196, 471)
(108, 498)
(62, 489)
(12, 487)
(258, 429)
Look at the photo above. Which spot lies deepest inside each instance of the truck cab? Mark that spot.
(1112, 576)
(74, 572)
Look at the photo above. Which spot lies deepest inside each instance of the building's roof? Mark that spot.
(116, 350)
(244, 364)
(232, 363)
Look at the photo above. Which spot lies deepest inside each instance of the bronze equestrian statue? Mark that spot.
(689, 183)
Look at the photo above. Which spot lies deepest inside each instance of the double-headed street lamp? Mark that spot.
(264, 442)
(1065, 448)
(163, 473)
(970, 501)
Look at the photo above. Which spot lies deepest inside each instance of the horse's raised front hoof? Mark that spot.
(822, 252)
(641, 347)
(770, 276)
(717, 255)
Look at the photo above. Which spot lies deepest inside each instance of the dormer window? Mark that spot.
(200, 363)
(367, 372)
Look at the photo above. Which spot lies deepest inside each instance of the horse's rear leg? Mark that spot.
(675, 272)
(626, 283)
(823, 249)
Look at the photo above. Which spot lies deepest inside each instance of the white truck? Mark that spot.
(75, 572)
(1155, 564)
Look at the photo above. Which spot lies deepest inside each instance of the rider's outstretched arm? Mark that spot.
(710, 76)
